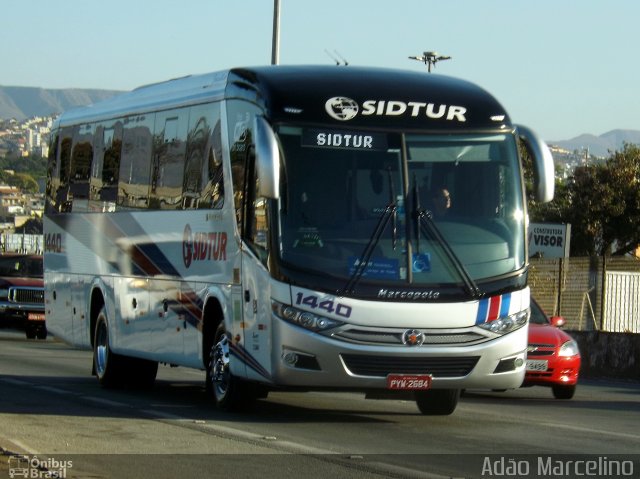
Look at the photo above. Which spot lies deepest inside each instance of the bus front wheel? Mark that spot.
(229, 393)
(437, 402)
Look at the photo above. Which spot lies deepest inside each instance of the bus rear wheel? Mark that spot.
(115, 370)
(437, 402)
(105, 363)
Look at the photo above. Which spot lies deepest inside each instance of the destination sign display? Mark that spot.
(351, 140)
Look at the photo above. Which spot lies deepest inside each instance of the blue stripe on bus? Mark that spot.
(504, 306)
(483, 309)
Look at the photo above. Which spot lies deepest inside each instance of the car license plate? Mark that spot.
(35, 316)
(409, 381)
(537, 364)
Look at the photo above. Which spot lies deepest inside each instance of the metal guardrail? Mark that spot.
(21, 243)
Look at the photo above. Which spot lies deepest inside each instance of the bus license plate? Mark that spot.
(409, 381)
(35, 316)
(537, 365)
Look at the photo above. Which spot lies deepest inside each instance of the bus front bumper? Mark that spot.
(304, 359)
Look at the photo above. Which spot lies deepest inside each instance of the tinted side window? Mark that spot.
(106, 166)
(135, 164)
(169, 147)
(79, 171)
(240, 116)
(53, 180)
(203, 185)
(62, 198)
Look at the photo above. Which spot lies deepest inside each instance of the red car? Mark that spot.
(553, 358)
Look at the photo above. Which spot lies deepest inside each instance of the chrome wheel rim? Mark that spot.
(220, 367)
(102, 347)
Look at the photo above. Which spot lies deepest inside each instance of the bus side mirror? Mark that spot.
(267, 159)
(544, 172)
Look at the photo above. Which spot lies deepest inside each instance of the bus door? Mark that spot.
(256, 280)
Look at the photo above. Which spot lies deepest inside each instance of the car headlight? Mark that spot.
(304, 319)
(570, 348)
(4, 294)
(508, 323)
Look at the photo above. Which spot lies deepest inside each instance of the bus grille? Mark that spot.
(26, 295)
(393, 337)
(382, 366)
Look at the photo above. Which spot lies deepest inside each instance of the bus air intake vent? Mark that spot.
(364, 365)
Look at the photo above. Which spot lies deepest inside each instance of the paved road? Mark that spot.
(50, 406)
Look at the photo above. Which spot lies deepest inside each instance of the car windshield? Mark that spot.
(412, 209)
(21, 266)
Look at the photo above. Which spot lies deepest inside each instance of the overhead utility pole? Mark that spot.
(430, 59)
(275, 44)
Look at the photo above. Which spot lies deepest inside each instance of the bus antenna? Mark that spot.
(336, 57)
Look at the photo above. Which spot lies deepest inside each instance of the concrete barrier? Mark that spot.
(608, 355)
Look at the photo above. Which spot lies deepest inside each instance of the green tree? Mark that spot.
(602, 203)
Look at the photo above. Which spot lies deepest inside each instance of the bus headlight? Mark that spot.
(507, 324)
(305, 319)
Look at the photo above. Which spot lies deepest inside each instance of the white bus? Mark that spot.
(280, 228)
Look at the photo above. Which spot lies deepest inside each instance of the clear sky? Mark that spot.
(562, 67)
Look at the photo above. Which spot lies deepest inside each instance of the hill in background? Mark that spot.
(22, 103)
(26, 102)
(601, 145)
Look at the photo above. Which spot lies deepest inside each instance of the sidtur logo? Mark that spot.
(344, 109)
(341, 108)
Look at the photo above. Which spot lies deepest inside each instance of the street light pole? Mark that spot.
(430, 59)
(275, 43)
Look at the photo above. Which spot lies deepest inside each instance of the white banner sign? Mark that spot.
(549, 240)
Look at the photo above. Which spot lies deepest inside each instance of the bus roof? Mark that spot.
(369, 97)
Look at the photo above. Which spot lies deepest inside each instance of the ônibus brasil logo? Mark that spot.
(203, 246)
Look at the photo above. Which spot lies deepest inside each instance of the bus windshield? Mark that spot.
(424, 210)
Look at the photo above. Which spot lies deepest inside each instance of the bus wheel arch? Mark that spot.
(229, 393)
(211, 319)
(96, 304)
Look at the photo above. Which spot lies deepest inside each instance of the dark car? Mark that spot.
(22, 293)
(553, 358)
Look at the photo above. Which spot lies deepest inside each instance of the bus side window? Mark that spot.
(79, 171)
(103, 187)
(255, 230)
(62, 196)
(135, 163)
(167, 167)
(53, 175)
(203, 184)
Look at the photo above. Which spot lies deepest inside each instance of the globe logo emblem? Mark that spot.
(413, 337)
(341, 108)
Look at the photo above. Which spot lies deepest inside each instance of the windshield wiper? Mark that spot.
(425, 223)
(392, 201)
(390, 213)
(362, 262)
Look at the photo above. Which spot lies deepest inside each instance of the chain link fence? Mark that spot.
(592, 294)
